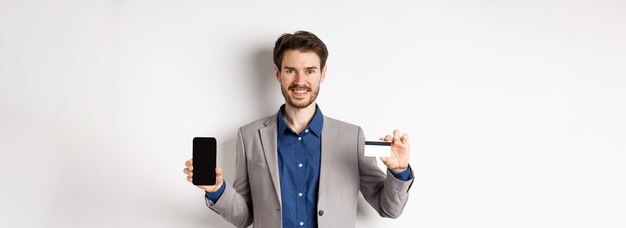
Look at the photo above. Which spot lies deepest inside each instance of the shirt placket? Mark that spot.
(300, 180)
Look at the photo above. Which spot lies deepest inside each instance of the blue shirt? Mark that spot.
(299, 169)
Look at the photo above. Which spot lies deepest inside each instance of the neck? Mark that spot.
(298, 118)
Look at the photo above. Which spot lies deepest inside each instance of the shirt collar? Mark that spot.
(315, 125)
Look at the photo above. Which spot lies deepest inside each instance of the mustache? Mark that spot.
(299, 87)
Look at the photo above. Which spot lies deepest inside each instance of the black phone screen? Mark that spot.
(204, 159)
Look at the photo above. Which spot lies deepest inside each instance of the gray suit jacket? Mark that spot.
(254, 197)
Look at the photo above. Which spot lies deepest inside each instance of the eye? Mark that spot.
(310, 71)
(289, 71)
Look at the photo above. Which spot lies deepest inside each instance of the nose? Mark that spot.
(298, 79)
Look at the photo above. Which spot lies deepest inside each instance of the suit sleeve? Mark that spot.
(385, 193)
(235, 204)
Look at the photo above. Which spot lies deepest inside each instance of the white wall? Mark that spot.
(516, 108)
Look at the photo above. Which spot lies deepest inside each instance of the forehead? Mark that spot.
(297, 58)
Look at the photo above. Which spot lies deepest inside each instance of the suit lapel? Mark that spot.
(268, 141)
(329, 136)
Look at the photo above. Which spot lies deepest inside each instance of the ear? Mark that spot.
(323, 73)
(277, 72)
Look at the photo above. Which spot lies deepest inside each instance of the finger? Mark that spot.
(405, 138)
(190, 174)
(388, 138)
(396, 136)
(189, 179)
(189, 162)
(185, 170)
(381, 138)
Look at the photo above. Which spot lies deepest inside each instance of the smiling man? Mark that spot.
(300, 168)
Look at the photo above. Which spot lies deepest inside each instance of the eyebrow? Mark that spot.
(293, 68)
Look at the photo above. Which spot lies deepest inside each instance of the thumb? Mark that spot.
(218, 171)
(218, 175)
(384, 160)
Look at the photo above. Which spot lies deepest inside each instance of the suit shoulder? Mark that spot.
(341, 124)
(257, 124)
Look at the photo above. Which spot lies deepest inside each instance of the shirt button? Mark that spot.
(300, 194)
(300, 165)
(299, 138)
(306, 131)
(321, 212)
(301, 223)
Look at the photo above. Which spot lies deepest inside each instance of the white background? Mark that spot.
(515, 108)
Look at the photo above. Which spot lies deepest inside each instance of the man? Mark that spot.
(299, 168)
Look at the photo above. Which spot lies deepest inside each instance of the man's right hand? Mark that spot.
(208, 188)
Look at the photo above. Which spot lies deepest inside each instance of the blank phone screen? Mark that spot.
(204, 156)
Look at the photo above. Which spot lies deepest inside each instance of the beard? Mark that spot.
(293, 102)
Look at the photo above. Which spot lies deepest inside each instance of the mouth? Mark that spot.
(299, 92)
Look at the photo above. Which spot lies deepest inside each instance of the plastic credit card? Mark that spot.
(377, 149)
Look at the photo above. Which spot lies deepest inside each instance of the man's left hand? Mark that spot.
(398, 160)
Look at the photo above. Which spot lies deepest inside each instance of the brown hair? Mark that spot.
(301, 41)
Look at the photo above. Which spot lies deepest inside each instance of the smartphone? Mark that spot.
(204, 160)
